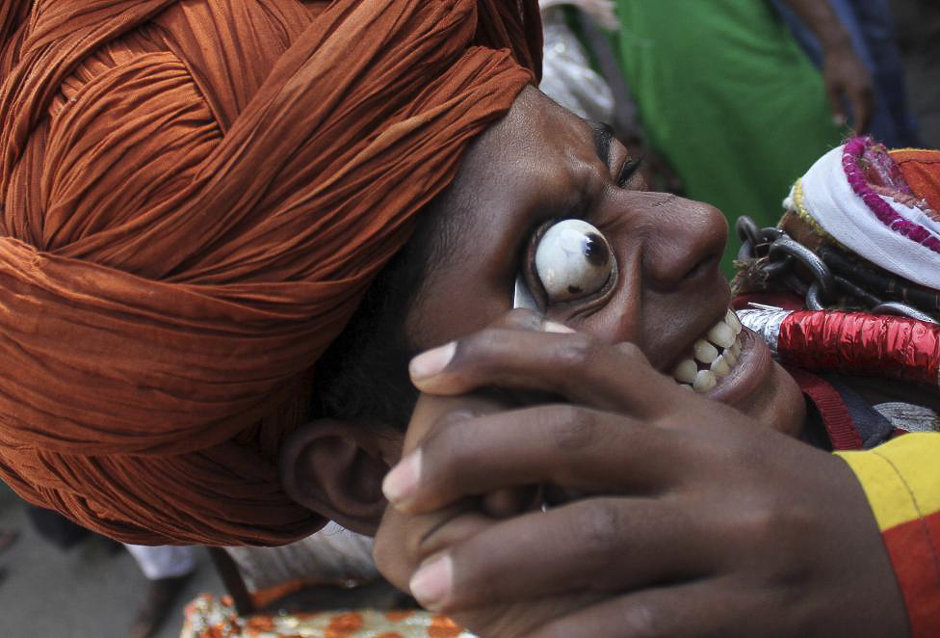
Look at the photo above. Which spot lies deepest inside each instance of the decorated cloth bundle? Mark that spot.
(873, 217)
(870, 217)
(195, 196)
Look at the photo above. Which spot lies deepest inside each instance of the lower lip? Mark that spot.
(752, 369)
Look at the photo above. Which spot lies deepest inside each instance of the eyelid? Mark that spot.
(628, 170)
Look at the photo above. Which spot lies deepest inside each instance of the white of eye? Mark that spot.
(573, 260)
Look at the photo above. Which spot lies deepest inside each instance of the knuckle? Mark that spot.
(485, 352)
(390, 562)
(645, 620)
(574, 428)
(479, 345)
(451, 443)
(630, 350)
(453, 419)
(603, 532)
(520, 318)
(577, 351)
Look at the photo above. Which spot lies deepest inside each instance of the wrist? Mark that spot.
(835, 40)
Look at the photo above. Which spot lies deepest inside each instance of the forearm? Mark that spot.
(822, 20)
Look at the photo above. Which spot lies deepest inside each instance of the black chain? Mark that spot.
(830, 275)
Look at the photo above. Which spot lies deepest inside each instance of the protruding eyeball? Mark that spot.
(573, 260)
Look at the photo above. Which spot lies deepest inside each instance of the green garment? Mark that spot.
(726, 95)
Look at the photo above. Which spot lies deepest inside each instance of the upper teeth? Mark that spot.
(705, 352)
(718, 352)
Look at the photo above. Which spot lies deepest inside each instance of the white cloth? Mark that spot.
(567, 76)
(910, 417)
(829, 198)
(601, 10)
(334, 555)
(163, 561)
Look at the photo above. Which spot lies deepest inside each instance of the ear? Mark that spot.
(335, 468)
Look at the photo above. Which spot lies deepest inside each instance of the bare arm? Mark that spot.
(843, 72)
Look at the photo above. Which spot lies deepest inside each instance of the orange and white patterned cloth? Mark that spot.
(211, 617)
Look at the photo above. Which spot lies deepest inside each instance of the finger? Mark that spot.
(564, 445)
(576, 366)
(504, 503)
(511, 620)
(599, 545)
(834, 95)
(863, 106)
(403, 542)
(708, 607)
(519, 319)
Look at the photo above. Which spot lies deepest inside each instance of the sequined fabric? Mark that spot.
(210, 617)
(895, 347)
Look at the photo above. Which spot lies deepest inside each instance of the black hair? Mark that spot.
(363, 375)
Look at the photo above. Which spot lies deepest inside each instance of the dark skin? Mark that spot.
(846, 78)
(692, 519)
(674, 513)
(711, 521)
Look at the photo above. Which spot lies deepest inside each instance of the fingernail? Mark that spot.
(839, 120)
(402, 481)
(552, 326)
(431, 584)
(429, 363)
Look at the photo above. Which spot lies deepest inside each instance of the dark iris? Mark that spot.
(595, 250)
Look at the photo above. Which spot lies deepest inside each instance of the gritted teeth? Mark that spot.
(720, 367)
(713, 356)
(686, 371)
(732, 320)
(705, 352)
(721, 335)
(705, 380)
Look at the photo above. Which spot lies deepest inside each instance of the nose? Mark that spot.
(684, 242)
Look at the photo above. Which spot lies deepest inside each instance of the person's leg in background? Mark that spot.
(167, 568)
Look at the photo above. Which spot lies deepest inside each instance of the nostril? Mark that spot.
(704, 266)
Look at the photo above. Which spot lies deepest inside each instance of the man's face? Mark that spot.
(660, 287)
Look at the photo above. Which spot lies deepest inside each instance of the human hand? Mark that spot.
(688, 518)
(847, 80)
(403, 539)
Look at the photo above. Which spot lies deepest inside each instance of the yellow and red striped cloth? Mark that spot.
(902, 482)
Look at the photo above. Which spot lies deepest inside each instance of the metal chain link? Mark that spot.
(790, 262)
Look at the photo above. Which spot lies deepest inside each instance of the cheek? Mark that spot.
(616, 318)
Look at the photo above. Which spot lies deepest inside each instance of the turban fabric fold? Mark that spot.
(195, 195)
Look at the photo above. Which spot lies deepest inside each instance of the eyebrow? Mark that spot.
(603, 138)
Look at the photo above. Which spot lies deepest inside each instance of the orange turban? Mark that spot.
(195, 196)
(921, 170)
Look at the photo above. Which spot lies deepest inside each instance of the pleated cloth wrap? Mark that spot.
(195, 197)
